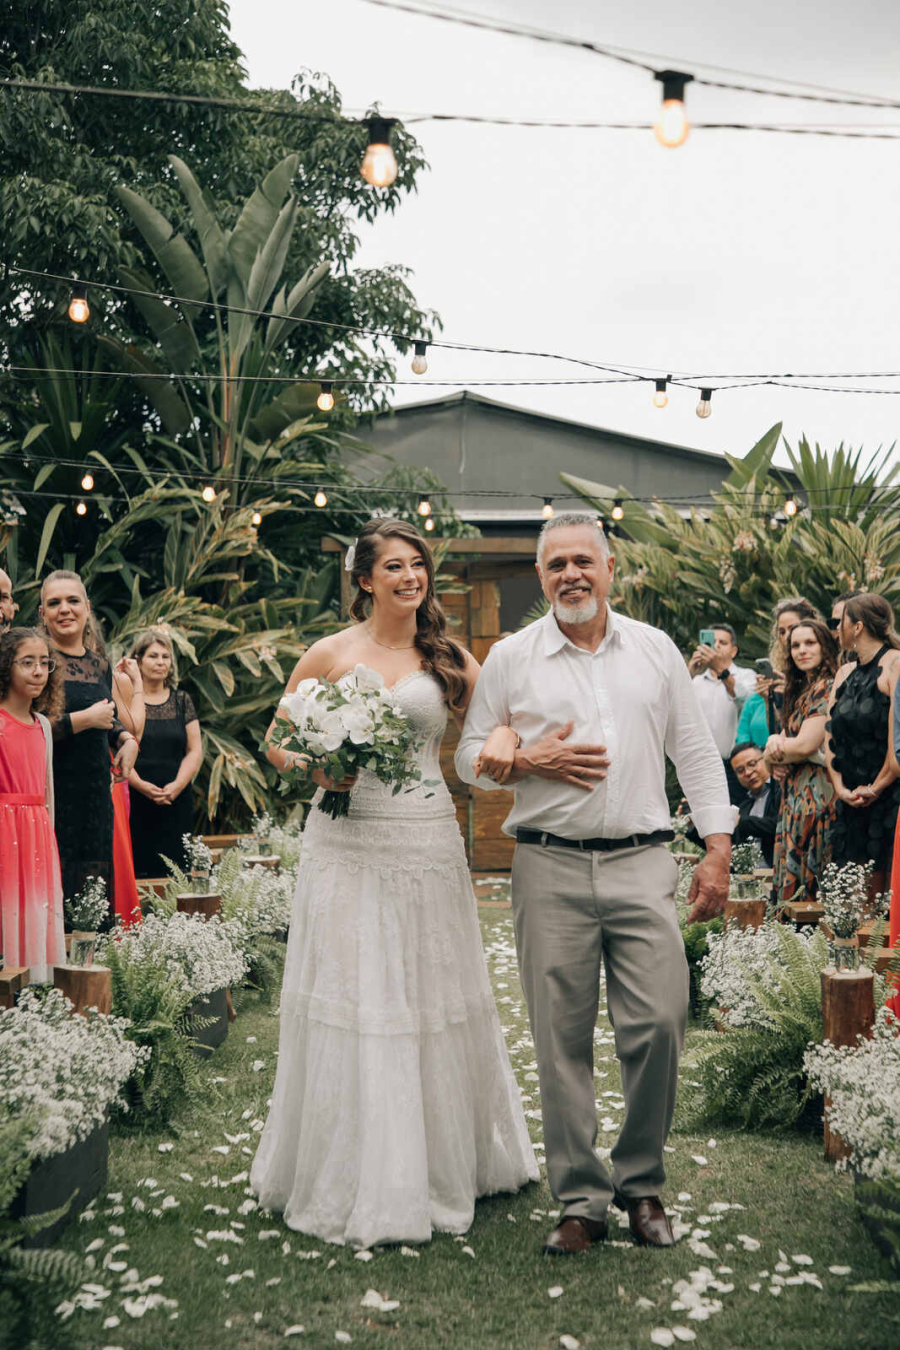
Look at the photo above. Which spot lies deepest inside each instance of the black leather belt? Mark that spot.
(547, 840)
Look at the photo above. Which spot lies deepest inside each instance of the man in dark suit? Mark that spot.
(761, 808)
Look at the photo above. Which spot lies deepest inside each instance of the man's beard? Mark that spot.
(574, 614)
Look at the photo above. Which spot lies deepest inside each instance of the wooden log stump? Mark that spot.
(13, 980)
(205, 905)
(803, 914)
(223, 840)
(848, 1011)
(85, 987)
(270, 860)
(153, 885)
(745, 913)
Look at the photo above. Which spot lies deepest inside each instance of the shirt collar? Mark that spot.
(555, 639)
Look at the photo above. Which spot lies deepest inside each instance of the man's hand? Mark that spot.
(701, 658)
(709, 887)
(554, 756)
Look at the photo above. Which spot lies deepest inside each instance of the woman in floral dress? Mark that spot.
(807, 801)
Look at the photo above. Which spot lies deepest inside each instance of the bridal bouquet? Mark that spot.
(342, 728)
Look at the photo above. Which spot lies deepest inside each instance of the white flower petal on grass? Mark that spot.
(165, 1148)
(343, 1336)
(221, 1148)
(257, 1065)
(802, 1260)
(839, 1270)
(467, 1251)
(555, 1291)
(684, 1196)
(371, 1299)
(662, 1336)
(294, 1331)
(99, 1242)
(411, 1251)
(749, 1244)
(569, 1342)
(644, 1302)
(699, 1159)
(684, 1334)
(362, 1256)
(185, 1176)
(111, 1322)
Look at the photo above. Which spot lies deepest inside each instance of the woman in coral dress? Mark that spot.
(31, 917)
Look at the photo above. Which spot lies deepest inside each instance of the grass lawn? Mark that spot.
(491, 1288)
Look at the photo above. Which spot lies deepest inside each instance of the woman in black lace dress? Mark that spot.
(83, 737)
(859, 762)
(162, 808)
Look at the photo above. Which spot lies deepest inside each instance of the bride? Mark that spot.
(395, 1105)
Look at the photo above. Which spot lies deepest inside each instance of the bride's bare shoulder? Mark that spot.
(330, 654)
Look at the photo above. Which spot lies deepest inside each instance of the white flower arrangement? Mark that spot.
(262, 826)
(258, 897)
(202, 955)
(738, 961)
(65, 1071)
(746, 858)
(862, 1083)
(345, 727)
(286, 841)
(88, 908)
(198, 855)
(844, 896)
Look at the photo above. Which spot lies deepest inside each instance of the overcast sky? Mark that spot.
(738, 252)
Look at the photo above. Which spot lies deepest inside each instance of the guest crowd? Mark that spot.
(810, 740)
(97, 761)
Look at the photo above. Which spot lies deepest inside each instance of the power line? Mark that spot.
(468, 20)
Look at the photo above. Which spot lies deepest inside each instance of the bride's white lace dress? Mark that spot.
(395, 1105)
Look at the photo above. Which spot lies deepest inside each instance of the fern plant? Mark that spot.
(753, 1075)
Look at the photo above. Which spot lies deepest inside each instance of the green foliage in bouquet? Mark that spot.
(31, 1280)
(753, 1075)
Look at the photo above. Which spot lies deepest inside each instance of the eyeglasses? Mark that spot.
(30, 663)
(833, 624)
(750, 765)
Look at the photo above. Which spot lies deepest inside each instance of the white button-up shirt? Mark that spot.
(719, 708)
(633, 695)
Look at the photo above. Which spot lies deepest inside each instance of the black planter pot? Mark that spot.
(884, 1231)
(49, 1184)
(214, 1005)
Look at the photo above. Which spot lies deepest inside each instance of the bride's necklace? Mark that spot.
(386, 646)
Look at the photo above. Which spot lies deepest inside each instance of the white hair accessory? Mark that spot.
(350, 558)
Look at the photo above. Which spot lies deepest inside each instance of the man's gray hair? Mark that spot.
(572, 518)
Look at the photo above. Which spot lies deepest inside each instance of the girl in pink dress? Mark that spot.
(31, 910)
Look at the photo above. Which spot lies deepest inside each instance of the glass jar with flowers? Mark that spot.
(85, 913)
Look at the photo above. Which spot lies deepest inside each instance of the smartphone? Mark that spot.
(707, 637)
(764, 667)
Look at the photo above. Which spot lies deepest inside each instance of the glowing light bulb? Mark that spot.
(325, 401)
(547, 508)
(79, 309)
(673, 126)
(790, 506)
(429, 524)
(209, 493)
(256, 518)
(419, 361)
(660, 398)
(424, 507)
(618, 511)
(81, 509)
(320, 499)
(87, 482)
(704, 407)
(379, 167)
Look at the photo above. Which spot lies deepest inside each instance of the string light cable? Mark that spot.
(362, 120)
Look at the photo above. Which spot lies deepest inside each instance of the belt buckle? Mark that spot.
(580, 843)
(543, 838)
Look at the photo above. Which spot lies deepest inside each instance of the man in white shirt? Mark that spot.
(595, 701)
(722, 688)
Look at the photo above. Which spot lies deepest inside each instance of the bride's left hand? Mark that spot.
(498, 755)
(321, 777)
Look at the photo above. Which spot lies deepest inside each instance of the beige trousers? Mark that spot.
(571, 910)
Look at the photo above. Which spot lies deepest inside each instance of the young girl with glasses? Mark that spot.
(31, 912)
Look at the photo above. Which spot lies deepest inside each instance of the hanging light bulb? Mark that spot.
(704, 407)
(256, 518)
(790, 506)
(673, 127)
(87, 481)
(547, 508)
(325, 401)
(81, 509)
(379, 167)
(209, 493)
(79, 309)
(618, 511)
(424, 507)
(429, 524)
(660, 398)
(320, 499)
(419, 361)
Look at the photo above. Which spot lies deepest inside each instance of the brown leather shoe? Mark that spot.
(647, 1220)
(574, 1235)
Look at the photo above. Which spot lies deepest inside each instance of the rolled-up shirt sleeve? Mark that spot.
(691, 748)
(488, 708)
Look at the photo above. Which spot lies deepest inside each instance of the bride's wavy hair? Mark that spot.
(441, 656)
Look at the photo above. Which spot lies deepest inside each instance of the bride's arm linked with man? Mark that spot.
(576, 714)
